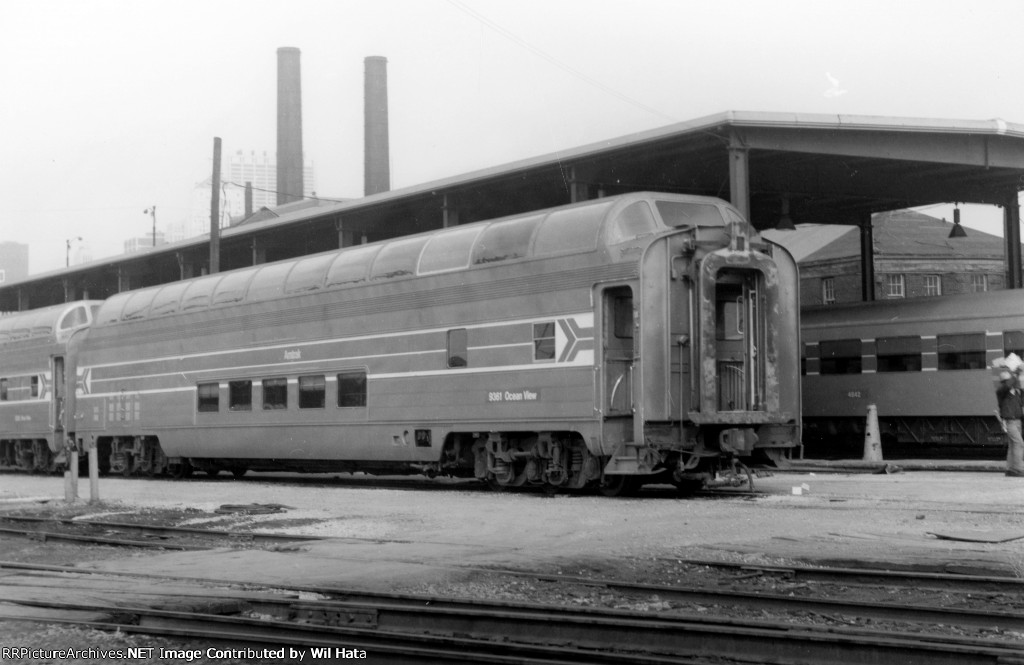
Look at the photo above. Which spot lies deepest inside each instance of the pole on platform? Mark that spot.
(94, 472)
(872, 440)
(71, 475)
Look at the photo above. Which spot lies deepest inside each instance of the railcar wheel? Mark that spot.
(180, 471)
(618, 485)
(494, 485)
(239, 472)
(688, 487)
(212, 472)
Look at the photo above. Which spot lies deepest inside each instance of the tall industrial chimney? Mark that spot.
(289, 126)
(376, 166)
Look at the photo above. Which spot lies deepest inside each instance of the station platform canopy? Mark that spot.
(779, 169)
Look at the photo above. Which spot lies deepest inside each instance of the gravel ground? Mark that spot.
(443, 539)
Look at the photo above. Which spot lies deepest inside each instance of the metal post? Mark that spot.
(94, 472)
(71, 475)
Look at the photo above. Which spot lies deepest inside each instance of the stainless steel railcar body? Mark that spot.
(645, 335)
(33, 383)
(923, 362)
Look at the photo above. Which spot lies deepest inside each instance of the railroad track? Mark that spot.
(866, 576)
(122, 534)
(373, 621)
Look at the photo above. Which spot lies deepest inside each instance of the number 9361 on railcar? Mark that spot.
(642, 338)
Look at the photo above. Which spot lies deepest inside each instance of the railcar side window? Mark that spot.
(634, 221)
(544, 341)
(3, 390)
(397, 259)
(167, 300)
(34, 383)
(504, 241)
(352, 388)
(312, 392)
(74, 318)
(965, 351)
(899, 354)
(841, 356)
(275, 393)
(570, 231)
(677, 213)
(458, 348)
(240, 395)
(1013, 342)
(449, 250)
(351, 265)
(208, 397)
(308, 274)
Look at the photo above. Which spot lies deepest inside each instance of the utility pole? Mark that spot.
(215, 209)
(67, 253)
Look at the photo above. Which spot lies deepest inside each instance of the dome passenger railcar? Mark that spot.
(637, 338)
(34, 371)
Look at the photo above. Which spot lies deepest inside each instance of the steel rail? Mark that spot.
(214, 533)
(601, 629)
(395, 647)
(963, 617)
(44, 536)
(872, 576)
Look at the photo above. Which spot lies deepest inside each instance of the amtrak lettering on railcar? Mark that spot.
(642, 338)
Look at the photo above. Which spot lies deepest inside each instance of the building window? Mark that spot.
(841, 356)
(895, 286)
(352, 389)
(544, 341)
(458, 350)
(828, 291)
(965, 351)
(312, 392)
(275, 393)
(1013, 342)
(932, 285)
(979, 283)
(899, 354)
(208, 397)
(240, 396)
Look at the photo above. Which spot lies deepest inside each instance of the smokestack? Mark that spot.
(289, 126)
(376, 166)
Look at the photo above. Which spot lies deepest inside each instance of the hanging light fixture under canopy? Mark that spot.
(785, 222)
(957, 231)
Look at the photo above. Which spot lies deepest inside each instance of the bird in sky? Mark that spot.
(835, 90)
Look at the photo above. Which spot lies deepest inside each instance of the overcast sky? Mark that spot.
(110, 106)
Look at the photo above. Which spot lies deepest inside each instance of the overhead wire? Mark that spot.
(508, 34)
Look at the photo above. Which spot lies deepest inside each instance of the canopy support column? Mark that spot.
(739, 175)
(1011, 235)
(867, 259)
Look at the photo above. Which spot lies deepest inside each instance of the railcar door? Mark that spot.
(739, 340)
(57, 402)
(618, 356)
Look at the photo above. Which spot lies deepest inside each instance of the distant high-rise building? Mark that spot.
(143, 242)
(261, 171)
(13, 261)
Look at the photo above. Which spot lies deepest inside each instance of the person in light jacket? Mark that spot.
(1011, 410)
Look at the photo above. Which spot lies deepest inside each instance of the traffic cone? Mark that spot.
(872, 442)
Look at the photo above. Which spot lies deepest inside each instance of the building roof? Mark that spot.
(910, 235)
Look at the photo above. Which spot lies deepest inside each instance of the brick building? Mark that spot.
(914, 257)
